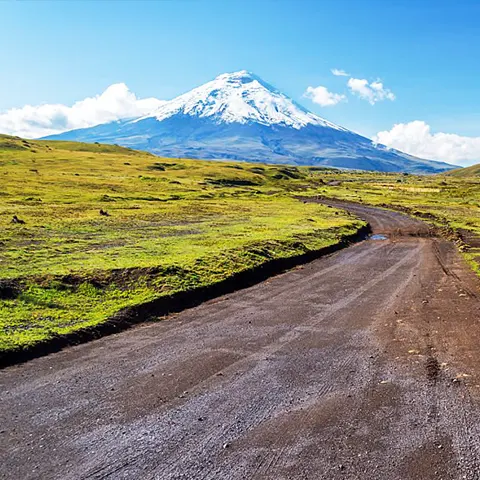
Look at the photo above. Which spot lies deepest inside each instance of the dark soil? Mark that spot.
(9, 289)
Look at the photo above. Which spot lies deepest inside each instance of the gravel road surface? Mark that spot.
(361, 365)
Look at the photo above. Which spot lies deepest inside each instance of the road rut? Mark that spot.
(362, 364)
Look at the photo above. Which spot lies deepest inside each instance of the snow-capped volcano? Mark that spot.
(240, 97)
(239, 116)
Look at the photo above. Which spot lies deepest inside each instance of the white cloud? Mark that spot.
(372, 92)
(323, 97)
(115, 103)
(416, 139)
(339, 72)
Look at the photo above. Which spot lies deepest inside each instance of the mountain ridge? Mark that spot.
(238, 116)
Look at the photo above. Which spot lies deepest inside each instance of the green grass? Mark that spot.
(172, 225)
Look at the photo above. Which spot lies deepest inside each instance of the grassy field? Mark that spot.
(100, 228)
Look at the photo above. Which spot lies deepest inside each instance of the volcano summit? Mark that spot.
(239, 116)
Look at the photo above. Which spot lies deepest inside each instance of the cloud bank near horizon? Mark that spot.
(115, 103)
(417, 139)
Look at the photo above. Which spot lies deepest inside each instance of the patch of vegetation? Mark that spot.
(99, 230)
(230, 182)
(289, 172)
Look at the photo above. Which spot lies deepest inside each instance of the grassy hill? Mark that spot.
(90, 229)
(473, 171)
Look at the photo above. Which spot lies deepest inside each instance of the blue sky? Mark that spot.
(425, 52)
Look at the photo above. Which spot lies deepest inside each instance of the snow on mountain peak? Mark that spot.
(240, 97)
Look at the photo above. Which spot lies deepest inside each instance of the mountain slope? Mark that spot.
(472, 171)
(239, 116)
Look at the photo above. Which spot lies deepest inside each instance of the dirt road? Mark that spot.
(361, 365)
